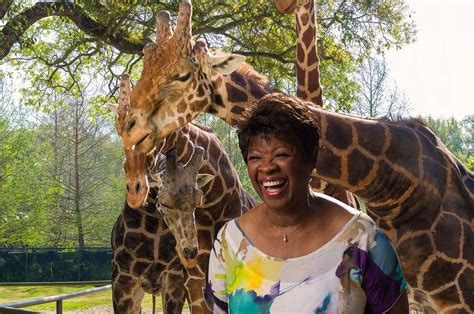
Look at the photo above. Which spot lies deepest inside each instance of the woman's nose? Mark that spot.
(268, 166)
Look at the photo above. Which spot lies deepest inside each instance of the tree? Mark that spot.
(62, 44)
(23, 203)
(82, 168)
(458, 136)
(62, 180)
(377, 96)
(22, 206)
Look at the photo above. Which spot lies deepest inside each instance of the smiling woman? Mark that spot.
(298, 251)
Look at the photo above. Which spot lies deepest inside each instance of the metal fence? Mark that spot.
(13, 307)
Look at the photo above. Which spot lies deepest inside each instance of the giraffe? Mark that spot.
(307, 68)
(418, 193)
(154, 244)
(137, 165)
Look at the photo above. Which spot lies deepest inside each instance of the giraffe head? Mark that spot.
(175, 83)
(289, 6)
(136, 163)
(178, 196)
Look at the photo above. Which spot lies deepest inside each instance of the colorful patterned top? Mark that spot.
(355, 272)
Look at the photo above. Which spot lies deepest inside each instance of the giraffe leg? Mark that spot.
(127, 295)
(173, 293)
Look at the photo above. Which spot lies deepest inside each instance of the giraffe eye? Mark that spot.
(183, 78)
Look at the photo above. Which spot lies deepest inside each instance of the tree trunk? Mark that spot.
(77, 190)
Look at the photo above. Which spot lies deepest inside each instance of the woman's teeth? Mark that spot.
(273, 185)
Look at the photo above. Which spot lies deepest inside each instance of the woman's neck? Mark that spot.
(292, 214)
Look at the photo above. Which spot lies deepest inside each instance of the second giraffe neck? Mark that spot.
(307, 60)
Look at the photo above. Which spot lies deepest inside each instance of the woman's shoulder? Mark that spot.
(230, 234)
(249, 220)
(351, 215)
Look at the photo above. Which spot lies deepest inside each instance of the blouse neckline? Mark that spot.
(310, 255)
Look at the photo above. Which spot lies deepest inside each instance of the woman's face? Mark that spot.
(279, 172)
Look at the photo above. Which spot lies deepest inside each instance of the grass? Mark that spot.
(101, 298)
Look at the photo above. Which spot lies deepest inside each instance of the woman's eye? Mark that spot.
(282, 155)
(183, 78)
(253, 157)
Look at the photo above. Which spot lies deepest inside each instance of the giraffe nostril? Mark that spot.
(138, 187)
(127, 187)
(190, 253)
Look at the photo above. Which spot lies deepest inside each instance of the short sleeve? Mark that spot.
(216, 289)
(383, 280)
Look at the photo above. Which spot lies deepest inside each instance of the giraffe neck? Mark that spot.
(380, 161)
(307, 60)
(237, 91)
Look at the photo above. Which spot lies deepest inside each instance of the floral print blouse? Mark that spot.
(357, 271)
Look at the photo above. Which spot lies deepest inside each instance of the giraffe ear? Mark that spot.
(203, 179)
(227, 63)
(113, 108)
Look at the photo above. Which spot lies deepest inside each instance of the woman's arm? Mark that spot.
(383, 281)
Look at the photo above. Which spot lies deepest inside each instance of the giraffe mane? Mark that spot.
(202, 127)
(248, 71)
(421, 127)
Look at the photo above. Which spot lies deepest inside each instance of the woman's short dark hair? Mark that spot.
(284, 117)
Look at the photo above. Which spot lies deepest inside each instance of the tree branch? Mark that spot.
(275, 56)
(14, 29)
(4, 6)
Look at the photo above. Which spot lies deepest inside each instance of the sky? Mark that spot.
(436, 72)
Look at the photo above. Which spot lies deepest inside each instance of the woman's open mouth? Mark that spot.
(274, 187)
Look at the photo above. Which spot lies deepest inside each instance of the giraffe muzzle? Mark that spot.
(136, 189)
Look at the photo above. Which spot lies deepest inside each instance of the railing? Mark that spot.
(12, 307)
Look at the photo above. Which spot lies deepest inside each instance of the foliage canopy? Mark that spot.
(65, 45)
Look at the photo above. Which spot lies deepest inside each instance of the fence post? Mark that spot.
(59, 307)
(153, 300)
